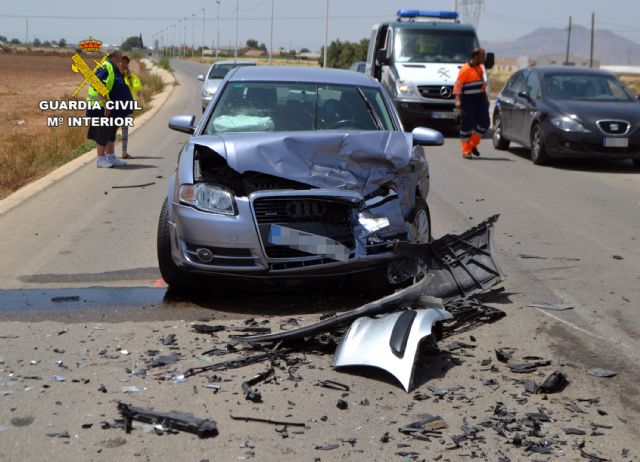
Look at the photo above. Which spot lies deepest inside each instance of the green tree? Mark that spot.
(3, 38)
(15, 41)
(62, 43)
(252, 43)
(342, 54)
(132, 42)
(36, 42)
(305, 50)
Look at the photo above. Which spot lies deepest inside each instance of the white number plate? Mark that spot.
(616, 142)
(443, 115)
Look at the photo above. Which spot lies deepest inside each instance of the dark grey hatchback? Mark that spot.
(568, 112)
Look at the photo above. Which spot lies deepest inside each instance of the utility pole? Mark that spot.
(184, 37)
(26, 37)
(566, 59)
(235, 51)
(271, 39)
(593, 22)
(326, 37)
(203, 42)
(193, 34)
(218, 29)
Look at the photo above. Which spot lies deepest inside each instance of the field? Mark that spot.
(28, 148)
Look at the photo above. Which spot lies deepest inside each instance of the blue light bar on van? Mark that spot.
(427, 14)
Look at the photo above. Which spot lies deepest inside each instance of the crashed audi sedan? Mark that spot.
(293, 172)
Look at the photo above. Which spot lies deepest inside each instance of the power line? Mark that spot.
(222, 18)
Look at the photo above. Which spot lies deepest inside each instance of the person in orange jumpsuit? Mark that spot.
(471, 100)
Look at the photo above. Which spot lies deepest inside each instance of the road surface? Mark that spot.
(569, 232)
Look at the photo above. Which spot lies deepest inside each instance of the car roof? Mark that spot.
(568, 70)
(300, 74)
(235, 62)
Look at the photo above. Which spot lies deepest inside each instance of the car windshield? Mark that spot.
(290, 106)
(595, 87)
(218, 71)
(433, 46)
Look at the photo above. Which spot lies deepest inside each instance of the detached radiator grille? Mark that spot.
(312, 215)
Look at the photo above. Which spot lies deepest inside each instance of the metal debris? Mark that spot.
(554, 306)
(251, 393)
(333, 385)
(268, 421)
(134, 185)
(597, 372)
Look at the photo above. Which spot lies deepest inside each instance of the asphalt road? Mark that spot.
(580, 220)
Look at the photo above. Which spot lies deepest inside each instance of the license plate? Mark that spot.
(616, 142)
(443, 115)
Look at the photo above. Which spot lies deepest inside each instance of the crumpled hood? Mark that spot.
(429, 73)
(358, 161)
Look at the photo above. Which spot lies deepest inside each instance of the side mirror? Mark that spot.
(427, 137)
(201, 77)
(381, 57)
(183, 123)
(489, 61)
(523, 94)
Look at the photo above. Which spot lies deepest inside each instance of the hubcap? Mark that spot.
(421, 222)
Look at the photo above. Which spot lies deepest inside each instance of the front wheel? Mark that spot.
(499, 141)
(420, 222)
(636, 163)
(172, 275)
(538, 150)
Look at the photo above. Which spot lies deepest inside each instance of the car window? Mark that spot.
(218, 71)
(533, 86)
(597, 87)
(288, 106)
(516, 84)
(433, 46)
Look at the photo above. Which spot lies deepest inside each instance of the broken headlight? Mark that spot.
(208, 198)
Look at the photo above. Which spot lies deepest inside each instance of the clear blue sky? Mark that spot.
(298, 23)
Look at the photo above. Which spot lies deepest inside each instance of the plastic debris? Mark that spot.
(175, 420)
(597, 372)
(555, 306)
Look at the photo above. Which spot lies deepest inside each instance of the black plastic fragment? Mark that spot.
(268, 421)
(206, 328)
(176, 420)
(251, 393)
(333, 385)
(504, 354)
(597, 372)
(400, 332)
(342, 404)
(526, 368)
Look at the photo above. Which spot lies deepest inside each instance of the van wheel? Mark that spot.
(172, 275)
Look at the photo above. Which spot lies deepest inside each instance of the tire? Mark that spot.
(538, 150)
(420, 218)
(175, 278)
(636, 163)
(499, 142)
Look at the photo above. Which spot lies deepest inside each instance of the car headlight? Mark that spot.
(568, 124)
(208, 198)
(405, 88)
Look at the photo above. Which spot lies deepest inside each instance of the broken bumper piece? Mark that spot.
(175, 420)
(461, 265)
(391, 342)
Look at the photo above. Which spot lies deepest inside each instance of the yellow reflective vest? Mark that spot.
(133, 82)
(92, 93)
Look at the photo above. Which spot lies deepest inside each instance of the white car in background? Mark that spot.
(214, 76)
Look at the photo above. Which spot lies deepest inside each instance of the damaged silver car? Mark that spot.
(294, 172)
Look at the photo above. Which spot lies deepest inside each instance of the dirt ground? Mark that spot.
(60, 385)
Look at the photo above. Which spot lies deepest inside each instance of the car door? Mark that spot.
(531, 95)
(506, 104)
(519, 109)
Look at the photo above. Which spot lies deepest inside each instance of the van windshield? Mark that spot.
(433, 46)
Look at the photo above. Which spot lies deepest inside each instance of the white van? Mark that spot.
(417, 58)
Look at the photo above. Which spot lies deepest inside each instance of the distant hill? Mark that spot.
(609, 47)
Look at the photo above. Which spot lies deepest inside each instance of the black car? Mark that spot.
(568, 112)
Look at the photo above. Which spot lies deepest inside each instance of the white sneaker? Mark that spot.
(115, 161)
(103, 162)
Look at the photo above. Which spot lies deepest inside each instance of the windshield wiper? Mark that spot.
(372, 112)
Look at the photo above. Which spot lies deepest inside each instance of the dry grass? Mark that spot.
(28, 148)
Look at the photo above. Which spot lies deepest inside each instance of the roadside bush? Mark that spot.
(165, 64)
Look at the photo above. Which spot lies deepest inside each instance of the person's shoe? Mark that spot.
(126, 155)
(467, 156)
(103, 162)
(475, 152)
(115, 161)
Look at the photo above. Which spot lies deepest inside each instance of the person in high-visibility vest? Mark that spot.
(105, 134)
(470, 91)
(133, 82)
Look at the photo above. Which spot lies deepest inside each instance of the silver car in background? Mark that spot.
(293, 172)
(214, 76)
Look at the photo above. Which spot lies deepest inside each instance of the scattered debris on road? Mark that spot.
(175, 420)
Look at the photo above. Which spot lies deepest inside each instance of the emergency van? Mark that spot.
(417, 58)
